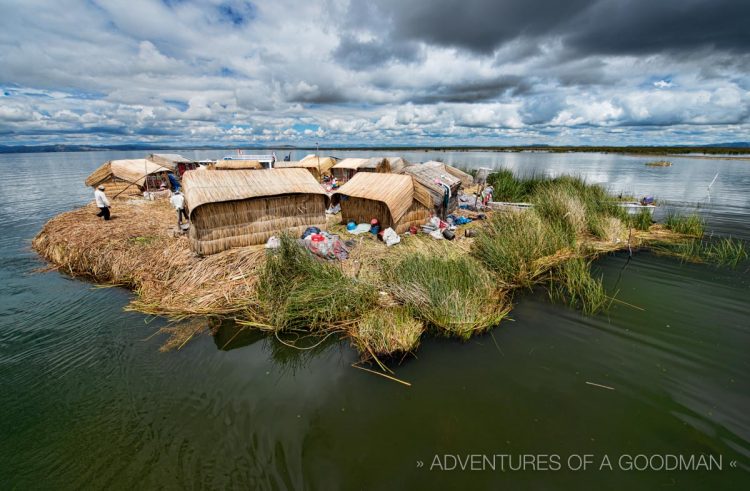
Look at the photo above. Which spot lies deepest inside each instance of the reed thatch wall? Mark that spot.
(395, 200)
(430, 176)
(169, 160)
(311, 164)
(350, 163)
(347, 168)
(466, 179)
(396, 164)
(237, 164)
(124, 177)
(246, 207)
(216, 227)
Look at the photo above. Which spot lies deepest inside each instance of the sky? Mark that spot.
(375, 72)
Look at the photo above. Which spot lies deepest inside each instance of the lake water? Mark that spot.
(88, 400)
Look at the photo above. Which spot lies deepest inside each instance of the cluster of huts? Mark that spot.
(131, 177)
(235, 203)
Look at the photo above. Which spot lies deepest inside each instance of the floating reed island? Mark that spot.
(659, 163)
(383, 299)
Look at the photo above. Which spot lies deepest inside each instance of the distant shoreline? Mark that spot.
(740, 152)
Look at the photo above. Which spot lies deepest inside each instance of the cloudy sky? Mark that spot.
(452, 72)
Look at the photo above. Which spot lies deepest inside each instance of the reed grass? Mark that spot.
(387, 332)
(571, 283)
(454, 295)
(641, 221)
(561, 207)
(297, 291)
(607, 228)
(512, 242)
(508, 187)
(685, 224)
(725, 251)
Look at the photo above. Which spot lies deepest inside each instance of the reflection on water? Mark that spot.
(91, 401)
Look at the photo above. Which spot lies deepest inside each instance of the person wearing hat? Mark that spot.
(102, 203)
(178, 201)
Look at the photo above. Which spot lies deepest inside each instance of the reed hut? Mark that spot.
(466, 179)
(247, 207)
(435, 178)
(176, 163)
(128, 177)
(347, 168)
(397, 164)
(237, 165)
(317, 166)
(397, 201)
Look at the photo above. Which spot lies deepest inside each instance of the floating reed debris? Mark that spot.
(659, 163)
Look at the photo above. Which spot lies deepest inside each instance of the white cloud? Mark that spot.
(146, 70)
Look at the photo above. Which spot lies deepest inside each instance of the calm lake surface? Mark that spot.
(88, 400)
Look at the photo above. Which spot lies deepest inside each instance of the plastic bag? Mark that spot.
(390, 237)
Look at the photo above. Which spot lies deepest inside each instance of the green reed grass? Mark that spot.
(454, 295)
(725, 251)
(685, 224)
(387, 331)
(511, 242)
(641, 220)
(297, 291)
(571, 283)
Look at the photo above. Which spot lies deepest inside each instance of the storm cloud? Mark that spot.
(383, 71)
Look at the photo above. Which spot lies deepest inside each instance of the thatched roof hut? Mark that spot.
(237, 164)
(433, 177)
(466, 179)
(247, 207)
(175, 162)
(317, 166)
(397, 164)
(127, 177)
(397, 201)
(347, 168)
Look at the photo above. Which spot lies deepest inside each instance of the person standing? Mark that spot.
(178, 201)
(102, 203)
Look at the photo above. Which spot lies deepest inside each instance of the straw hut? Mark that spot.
(128, 177)
(434, 177)
(247, 207)
(347, 168)
(396, 164)
(317, 166)
(176, 163)
(237, 164)
(397, 201)
(466, 179)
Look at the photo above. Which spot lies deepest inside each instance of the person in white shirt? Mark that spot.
(102, 203)
(178, 201)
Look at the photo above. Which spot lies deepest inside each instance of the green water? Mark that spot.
(90, 402)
